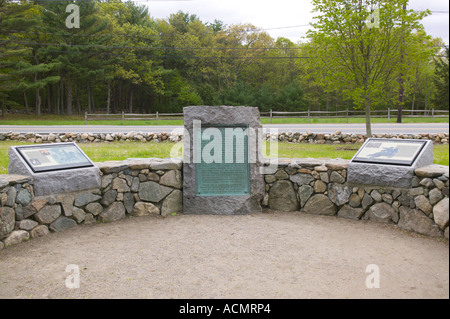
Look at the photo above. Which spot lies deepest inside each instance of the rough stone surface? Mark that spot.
(128, 202)
(423, 204)
(153, 192)
(320, 205)
(7, 221)
(62, 223)
(120, 185)
(94, 208)
(281, 174)
(39, 231)
(11, 196)
(112, 213)
(173, 204)
(320, 187)
(339, 193)
(441, 213)
(16, 237)
(435, 196)
(86, 198)
(109, 197)
(301, 179)
(167, 164)
(172, 179)
(270, 179)
(354, 200)
(78, 215)
(27, 224)
(23, 197)
(415, 220)
(282, 196)
(367, 201)
(432, 171)
(350, 212)
(376, 196)
(144, 209)
(304, 193)
(335, 177)
(48, 214)
(382, 213)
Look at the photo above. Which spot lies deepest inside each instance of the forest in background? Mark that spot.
(121, 59)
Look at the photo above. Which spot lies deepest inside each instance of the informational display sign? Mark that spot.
(223, 167)
(394, 152)
(52, 157)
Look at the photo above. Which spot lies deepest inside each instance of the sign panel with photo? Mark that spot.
(50, 157)
(395, 152)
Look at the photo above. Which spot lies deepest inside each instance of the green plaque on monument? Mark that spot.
(221, 161)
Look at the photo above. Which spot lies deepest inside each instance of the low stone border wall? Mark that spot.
(293, 137)
(132, 187)
(320, 187)
(140, 187)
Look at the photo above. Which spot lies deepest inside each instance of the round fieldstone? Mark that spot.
(283, 197)
(23, 197)
(320, 205)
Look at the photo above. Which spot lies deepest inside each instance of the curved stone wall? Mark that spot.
(141, 187)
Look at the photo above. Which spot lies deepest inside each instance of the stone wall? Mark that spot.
(320, 187)
(177, 136)
(139, 187)
(132, 187)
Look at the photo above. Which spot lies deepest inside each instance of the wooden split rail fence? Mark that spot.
(389, 114)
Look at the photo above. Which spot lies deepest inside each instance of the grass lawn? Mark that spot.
(101, 152)
(15, 119)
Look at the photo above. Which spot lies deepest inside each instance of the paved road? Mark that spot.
(408, 128)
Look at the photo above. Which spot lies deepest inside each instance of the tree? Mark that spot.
(363, 56)
(440, 79)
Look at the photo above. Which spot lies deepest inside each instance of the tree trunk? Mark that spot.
(58, 99)
(27, 110)
(88, 97)
(38, 103)
(61, 84)
(131, 100)
(69, 96)
(401, 91)
(368, 124)
(93, 101)
(108, 101)
(77, 97)
(49, 100)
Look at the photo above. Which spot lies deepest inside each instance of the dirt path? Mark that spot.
(256, 256)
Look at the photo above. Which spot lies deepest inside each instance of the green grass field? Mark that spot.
(101, 152)
(14, 119)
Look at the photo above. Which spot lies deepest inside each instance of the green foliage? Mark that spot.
(441, 78)
(121, 59)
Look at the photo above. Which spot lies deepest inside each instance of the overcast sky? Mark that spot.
(273, 14)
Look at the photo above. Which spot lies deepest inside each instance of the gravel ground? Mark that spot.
(268, 255)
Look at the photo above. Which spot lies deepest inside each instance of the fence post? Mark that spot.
(123, 118)
(309, 116)
(346, 115)
(270, 116)
(389, 114)
(432, 114)
(157, 118)
(85, 118)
